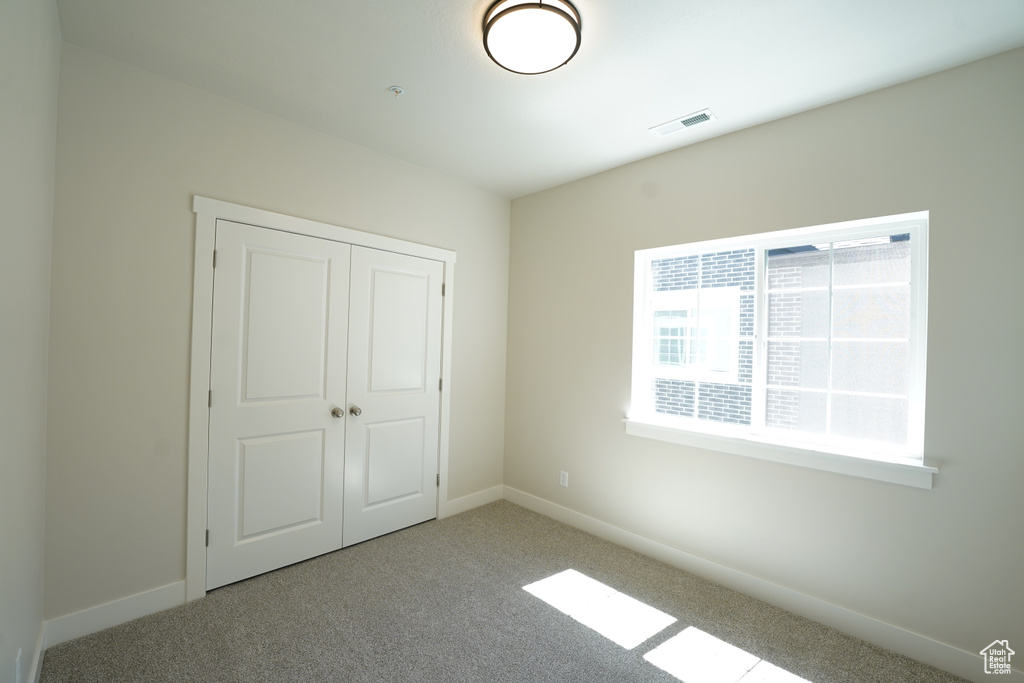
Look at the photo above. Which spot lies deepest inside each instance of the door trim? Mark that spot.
(208, 211)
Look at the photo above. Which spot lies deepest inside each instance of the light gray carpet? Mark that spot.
(444, 601)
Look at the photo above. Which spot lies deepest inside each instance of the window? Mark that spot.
(695, 331)
(802, 344)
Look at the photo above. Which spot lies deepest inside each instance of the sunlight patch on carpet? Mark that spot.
(694, 656)
(618, 617)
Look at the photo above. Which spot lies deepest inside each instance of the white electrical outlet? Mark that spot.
(563, 478)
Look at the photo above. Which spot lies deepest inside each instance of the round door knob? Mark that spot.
(356, 411)
(338, 412)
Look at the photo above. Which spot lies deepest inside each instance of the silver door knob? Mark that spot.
(356, 411)
(338, 412)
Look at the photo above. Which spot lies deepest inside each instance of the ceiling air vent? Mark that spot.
(688, 121)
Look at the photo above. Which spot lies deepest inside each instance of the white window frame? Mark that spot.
(894, 464)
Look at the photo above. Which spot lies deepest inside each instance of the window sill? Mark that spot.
(919, 476)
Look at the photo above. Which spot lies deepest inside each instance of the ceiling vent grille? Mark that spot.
(683, 122)
(695, 119)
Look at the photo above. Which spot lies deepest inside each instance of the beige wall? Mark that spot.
(29, 69)
(945, 563)
(132, 150)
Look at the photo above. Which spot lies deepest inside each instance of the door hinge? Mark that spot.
(209, 399)
(440, 384)
(214, 258)
(438, 478)
(442, 289)
(207, 538)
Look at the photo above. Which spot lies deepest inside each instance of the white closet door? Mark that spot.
(276, 467)
(391, 453)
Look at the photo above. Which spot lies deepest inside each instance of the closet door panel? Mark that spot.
(276, 466)
(391, 453)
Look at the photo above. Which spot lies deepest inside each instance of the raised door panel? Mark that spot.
(280, 483)
(393, 461)
(399, 305)
(285, 326)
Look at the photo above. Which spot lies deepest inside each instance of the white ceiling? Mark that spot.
(327, 64)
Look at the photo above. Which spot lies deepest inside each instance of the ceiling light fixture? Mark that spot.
(531, 37)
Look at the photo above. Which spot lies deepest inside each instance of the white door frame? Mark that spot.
(208, 211)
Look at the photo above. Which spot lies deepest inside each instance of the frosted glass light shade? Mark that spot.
(531, 37)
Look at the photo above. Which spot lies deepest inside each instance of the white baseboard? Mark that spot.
(36, 666)
(473, 500)
(913, 645)
(93, 619)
